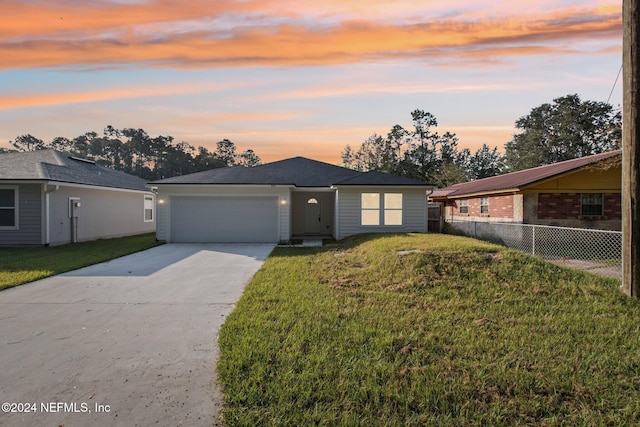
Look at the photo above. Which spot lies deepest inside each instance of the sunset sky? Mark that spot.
(289, 78)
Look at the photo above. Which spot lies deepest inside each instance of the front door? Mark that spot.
(312, 218)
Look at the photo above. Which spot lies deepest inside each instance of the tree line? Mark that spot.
(565, 129)
(135, 152)
(552, 132)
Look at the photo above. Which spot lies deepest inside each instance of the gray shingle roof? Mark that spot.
(298, 171)
(379, 178)
(519, 179)
(55, 166)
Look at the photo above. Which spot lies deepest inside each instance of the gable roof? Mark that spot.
(297, 171)
(56, 166)
(379, 178)
(523, 178)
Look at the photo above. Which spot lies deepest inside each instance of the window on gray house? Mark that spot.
(381, 209)
(8, 208)
(148, 208)
(370, 209)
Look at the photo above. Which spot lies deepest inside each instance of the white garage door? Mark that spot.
(224, 219)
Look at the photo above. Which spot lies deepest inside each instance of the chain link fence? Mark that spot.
(596, 251)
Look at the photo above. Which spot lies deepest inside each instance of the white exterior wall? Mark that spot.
(104, 213)
(348, 211)
(166, 192)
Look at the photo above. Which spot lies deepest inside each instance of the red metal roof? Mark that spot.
(519, 179)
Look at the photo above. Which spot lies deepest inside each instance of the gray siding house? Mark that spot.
(51, 198)
(290, 198)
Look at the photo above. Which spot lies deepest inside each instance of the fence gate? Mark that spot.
(434, 218)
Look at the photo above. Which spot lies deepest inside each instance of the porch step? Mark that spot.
(308, 243)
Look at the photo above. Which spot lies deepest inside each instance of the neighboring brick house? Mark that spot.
(583, 193)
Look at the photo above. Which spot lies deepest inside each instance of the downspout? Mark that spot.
(47, 226)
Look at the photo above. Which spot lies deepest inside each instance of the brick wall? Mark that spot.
(613, 206)
(499, 207)
(558, 205)
(567, 206)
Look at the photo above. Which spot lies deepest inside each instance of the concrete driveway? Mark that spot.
(131, 342)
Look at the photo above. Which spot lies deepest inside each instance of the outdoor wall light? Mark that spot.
(161, 201)
(283, 201)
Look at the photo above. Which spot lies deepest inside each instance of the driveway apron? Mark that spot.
(130, 342)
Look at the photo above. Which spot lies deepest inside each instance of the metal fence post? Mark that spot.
(533, 241)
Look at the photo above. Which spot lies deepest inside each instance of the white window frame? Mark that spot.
(484, 206)
(383, 213)
(391, 210)
(146, 201)
(464, 203)
(15, 208)
(369, 209)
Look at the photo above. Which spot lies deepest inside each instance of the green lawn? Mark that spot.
(459, 333)
(22, 265)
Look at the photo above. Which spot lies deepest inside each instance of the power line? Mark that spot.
(614, 84)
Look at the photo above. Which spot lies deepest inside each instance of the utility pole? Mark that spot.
(630, 151)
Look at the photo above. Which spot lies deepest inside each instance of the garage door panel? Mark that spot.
(224, 219)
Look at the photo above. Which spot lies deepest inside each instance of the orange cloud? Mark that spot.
(59, 19)
(120, 34)
(59, 98)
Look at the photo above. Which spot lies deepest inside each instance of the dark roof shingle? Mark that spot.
(379, 178)
(298, 171)
(52, 165)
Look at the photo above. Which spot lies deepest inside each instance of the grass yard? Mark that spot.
(455, 332)
(22, 265)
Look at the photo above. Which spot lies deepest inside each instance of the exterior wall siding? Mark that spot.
(29, 232)
(103, 213)
(583, 181)
(162, 217)
(165, 192)
(348, 211)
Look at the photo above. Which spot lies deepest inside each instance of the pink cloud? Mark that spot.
(157, 34)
